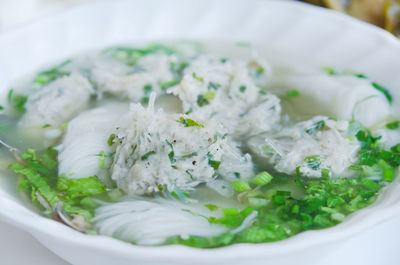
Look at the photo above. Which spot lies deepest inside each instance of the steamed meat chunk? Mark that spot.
(343, 96)
(84, 151)
(226, 90)
(156, 151)
(315, 146)
(136, 82)
(57, 102)
(263, 117)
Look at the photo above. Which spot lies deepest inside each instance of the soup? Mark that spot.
(204, 145)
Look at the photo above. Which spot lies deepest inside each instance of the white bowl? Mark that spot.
(323, 36)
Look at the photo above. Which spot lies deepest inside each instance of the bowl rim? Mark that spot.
(37, 224)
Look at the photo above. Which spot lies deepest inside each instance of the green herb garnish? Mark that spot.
(147, 155)
(111, 139)
(171, 154)
(147, 89)
(211, 207)
(329, 70)
(131, 55)
(262, 178)
(40, 178)
(313, 162)
(240, 186)
(318, 126)
(165, 85)
(292, 94)
(52, 74)
(384, 91)
(17, 101)
(198, 78)
(190, 123)
(393, 125)
(214, 163)
(213, 86)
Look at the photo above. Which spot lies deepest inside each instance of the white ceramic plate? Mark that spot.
(322, 36)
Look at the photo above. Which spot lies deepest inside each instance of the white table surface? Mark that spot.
(19, 248)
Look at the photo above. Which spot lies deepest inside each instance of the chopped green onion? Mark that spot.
(329, 70)
(283, 192)
(278, 199)
(131, 56)
(102, 157)
(313, 162)
(209, 95)
(242, 88)
(295, 209)
(260, 70)
(214, 163)
(111, 139)
(211, 207)
(362, 76)
(165, 85)
(384, 91)
(17, 100)
(190, 123)
(262, 178)
(147, 155)
(335, 201)
(52, 74)
(171, 155)
(201, 101)
(354, 128)
(292, 94)
(319, 125)
(177, 193)
(245, 212)
(325, 173)
(230, 211)
(388, 175)
(371, 185)
(241, 186)
(64, 126)
(393, 125)
(198, 78)
(338, 217)
(9, 95)
(147, 89)
(212, 85)
(177, 69)
(321, 221)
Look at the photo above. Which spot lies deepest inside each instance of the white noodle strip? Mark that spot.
(246, 222)
(270, 143)
(152, 100)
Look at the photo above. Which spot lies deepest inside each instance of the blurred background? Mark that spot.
(383, 13)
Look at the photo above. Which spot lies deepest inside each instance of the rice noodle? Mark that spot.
(152, 222)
